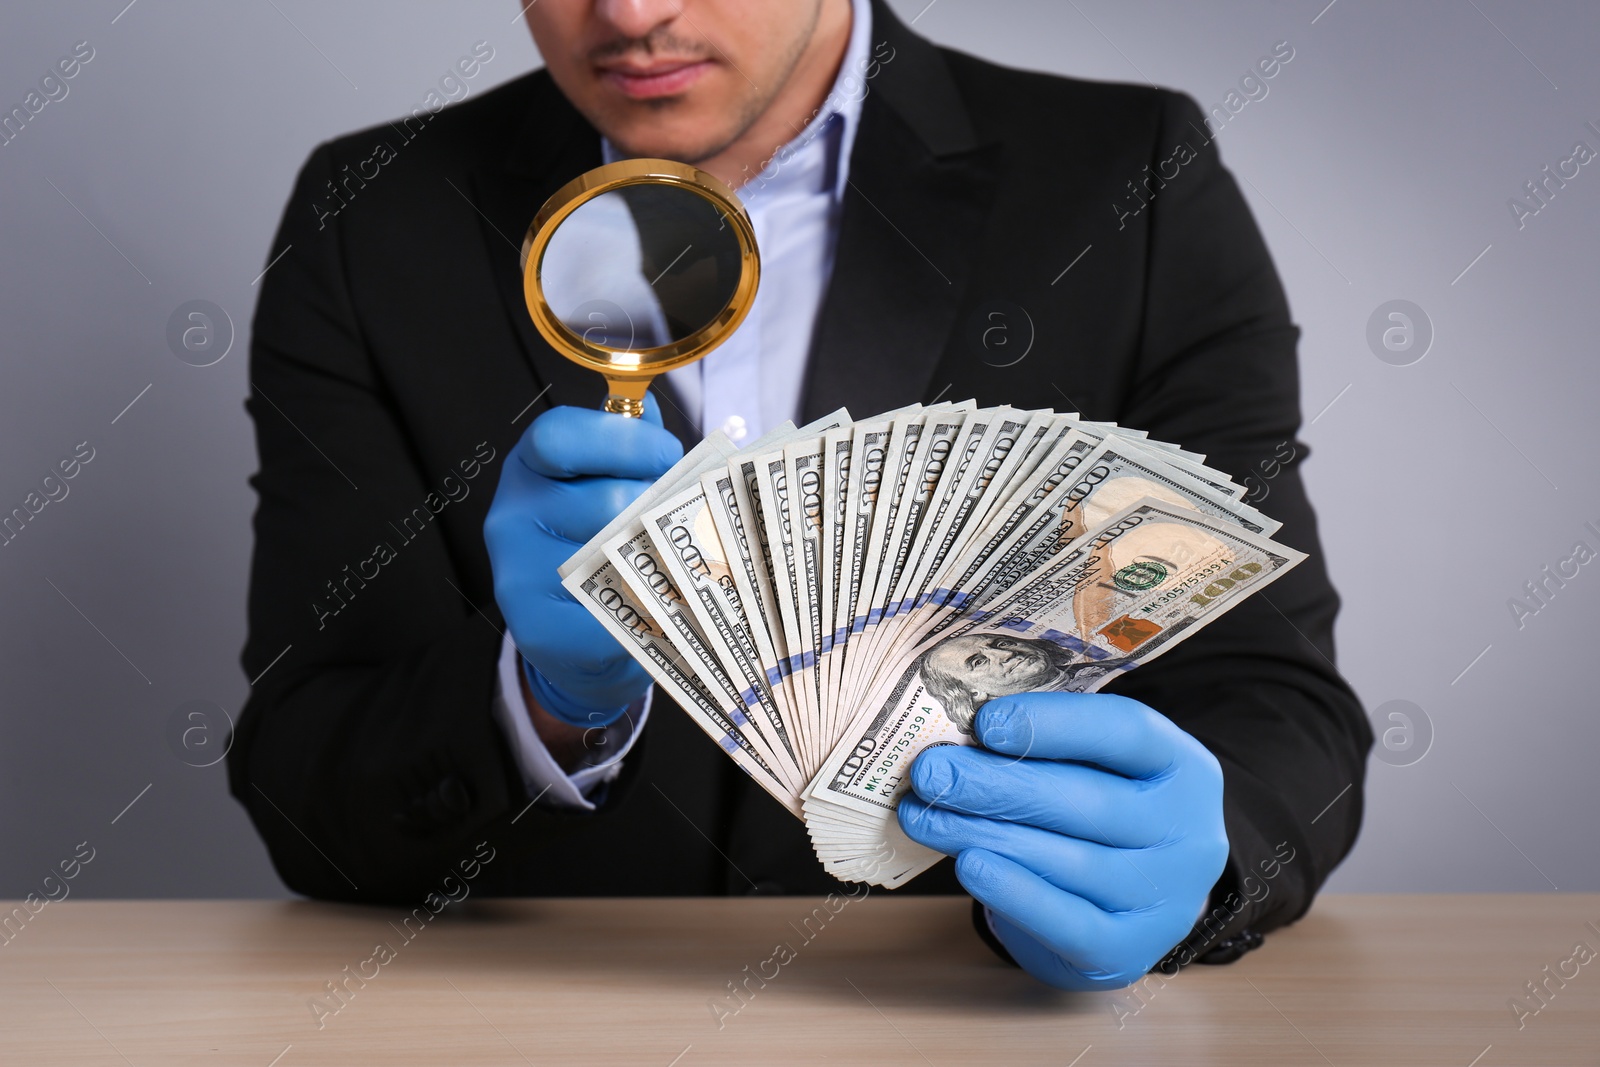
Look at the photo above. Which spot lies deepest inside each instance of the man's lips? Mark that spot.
(655, 80)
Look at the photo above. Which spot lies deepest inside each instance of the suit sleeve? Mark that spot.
(368, 755)
(1217, 373)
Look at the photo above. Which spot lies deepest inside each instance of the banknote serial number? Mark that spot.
(877, 782)
(1169, 595)
(1238, 576)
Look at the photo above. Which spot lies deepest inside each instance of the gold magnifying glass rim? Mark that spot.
(638, 363)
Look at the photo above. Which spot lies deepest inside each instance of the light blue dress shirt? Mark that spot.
(752, 381)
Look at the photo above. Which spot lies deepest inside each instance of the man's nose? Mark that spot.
(635, 19)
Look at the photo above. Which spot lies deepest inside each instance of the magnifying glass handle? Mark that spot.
(621, 405)
(625, 396)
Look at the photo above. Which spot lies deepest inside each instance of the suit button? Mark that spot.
(432, 808)
(453, 795)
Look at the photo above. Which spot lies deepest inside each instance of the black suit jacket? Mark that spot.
(392, 352)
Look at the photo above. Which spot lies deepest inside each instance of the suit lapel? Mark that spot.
(920, 190)
(553, 146)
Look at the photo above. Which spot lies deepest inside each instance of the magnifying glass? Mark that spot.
(637, 268)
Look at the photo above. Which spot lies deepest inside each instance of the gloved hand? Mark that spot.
(1094, 869)
(570, 474)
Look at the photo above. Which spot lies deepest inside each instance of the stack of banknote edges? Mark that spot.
(832, 599)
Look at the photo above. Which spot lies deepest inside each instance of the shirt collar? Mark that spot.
(818, 158)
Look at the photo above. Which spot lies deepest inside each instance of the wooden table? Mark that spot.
(1362, 980)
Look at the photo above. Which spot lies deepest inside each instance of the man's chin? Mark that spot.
(663, 136)
(688, 128)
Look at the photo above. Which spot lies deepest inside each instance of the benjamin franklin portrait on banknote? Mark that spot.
(967, 671)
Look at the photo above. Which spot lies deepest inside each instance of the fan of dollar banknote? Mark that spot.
(834, 598)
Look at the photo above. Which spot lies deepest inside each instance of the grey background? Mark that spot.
(1379, 166)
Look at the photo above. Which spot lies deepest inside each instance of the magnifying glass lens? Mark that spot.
(637, 268)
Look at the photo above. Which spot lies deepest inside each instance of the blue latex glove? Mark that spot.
(1092, 869)
(570, 474)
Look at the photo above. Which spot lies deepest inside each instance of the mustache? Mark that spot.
(659, 42)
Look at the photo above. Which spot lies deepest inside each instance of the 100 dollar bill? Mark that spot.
(1122, 595)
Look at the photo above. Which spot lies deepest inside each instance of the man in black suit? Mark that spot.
(394, 367)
